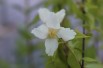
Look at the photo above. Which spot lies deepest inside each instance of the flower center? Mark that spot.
(52, 33)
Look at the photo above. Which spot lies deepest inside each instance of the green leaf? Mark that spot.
(88, 59)
(80, 35)
(78, 54)
(63, 53)
(72, 59)
(55, 62)
(94, 65)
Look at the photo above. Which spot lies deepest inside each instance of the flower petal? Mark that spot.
(51, 46)
(40, 32)
(49, 18)
(60, 15)
(44, 14)
(66, 34)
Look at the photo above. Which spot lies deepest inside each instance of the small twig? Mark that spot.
(83, 40)
(66, 50)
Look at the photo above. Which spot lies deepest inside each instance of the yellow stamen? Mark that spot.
(52, 33)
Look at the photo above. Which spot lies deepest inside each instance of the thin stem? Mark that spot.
(83, 40)
(83, 48)
(66, 53)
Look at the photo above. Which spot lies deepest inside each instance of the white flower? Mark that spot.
(51, 30)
